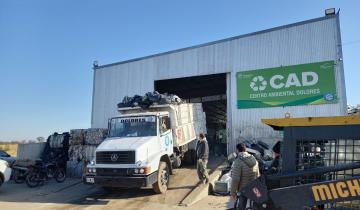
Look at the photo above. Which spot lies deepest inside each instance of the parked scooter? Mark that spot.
(41, 172)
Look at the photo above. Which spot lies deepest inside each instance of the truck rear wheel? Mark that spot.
(162, 179)
(190, 157)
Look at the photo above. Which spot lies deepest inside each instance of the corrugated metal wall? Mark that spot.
(31, 151)
(312, 41)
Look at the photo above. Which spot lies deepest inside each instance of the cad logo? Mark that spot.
(258, 83)
(114, 157)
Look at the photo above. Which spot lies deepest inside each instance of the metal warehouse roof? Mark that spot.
(222, 40)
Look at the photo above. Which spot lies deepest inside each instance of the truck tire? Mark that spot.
(163, 178)
(190, 157)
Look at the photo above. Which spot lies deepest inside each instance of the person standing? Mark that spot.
(245, 169)
(202, 154)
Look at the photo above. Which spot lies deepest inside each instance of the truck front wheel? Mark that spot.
(162, 179)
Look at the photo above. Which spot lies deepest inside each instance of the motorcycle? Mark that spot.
(19, 174)
(42, 172)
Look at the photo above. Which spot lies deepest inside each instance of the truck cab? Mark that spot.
(143, 146)
(136, 153)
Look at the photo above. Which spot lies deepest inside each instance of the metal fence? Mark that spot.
(322, 153)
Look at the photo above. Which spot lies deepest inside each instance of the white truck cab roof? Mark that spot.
(143, 114)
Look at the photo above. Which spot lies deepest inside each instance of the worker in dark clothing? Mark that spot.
(202, 154)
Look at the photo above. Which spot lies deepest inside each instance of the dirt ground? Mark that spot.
(75, 195)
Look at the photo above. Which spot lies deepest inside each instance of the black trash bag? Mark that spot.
(126, 102)
(153, 97)
(145, 103)
(136, 100)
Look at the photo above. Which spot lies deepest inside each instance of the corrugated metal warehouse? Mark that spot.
(240, 80)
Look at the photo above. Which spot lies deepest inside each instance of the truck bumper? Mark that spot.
(121, 181)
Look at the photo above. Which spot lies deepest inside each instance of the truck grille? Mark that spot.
(116, 157)
(112, 171)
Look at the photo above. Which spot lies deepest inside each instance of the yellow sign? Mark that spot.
(336, 190)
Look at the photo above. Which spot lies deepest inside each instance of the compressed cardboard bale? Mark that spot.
(76, 153)
(94, 136)
(89, 152)
(77, 137)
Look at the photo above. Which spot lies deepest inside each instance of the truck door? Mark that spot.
(166, 136)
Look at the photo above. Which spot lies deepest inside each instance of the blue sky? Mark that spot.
(47, 48)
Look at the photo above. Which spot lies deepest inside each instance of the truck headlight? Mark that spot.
(92, 170)
(142, 170)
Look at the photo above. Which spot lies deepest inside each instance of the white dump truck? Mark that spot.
(143, 146)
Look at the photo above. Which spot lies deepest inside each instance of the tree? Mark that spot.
(40, 139)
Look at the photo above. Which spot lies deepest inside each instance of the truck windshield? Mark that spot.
(133, 126)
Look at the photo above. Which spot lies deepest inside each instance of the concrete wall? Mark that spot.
(305, 42)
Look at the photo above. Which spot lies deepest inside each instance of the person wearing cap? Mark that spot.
(202, 154)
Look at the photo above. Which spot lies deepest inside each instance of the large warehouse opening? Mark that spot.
(210, 90)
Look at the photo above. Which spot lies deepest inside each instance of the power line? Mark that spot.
(351, 42)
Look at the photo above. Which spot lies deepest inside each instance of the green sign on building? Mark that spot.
(303, 84)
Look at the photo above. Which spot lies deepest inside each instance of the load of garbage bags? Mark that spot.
(150, 98)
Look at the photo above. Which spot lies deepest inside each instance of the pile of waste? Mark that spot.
(56, 149)
(260, 150)
(83, 143)
(150, 98)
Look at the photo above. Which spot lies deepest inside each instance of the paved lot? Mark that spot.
(74, 195)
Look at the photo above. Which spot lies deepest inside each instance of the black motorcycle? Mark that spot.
(41, 172)
(19, 174)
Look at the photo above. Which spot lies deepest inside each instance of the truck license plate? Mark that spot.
(90, 180)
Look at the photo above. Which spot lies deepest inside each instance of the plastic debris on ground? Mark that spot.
(222, 186)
